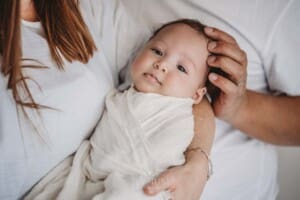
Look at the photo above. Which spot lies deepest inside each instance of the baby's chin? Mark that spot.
(147, 89)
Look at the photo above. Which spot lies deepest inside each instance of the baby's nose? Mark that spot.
(160, 66)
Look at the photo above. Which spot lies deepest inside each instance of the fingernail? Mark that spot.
(212, 45)
(148, 190)
(208, 29)
(211, 59)
(213, 77)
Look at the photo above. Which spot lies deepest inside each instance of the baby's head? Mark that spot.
(173, 61)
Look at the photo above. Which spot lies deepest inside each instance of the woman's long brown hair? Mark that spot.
(66, 33)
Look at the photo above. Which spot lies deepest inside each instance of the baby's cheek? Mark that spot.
(186, 89)
(133, 65)
(175, 89)
(134, 68)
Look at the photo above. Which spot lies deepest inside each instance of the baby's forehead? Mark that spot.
(182, 33)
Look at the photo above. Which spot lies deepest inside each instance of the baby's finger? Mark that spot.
(228, 49)
(217, 34)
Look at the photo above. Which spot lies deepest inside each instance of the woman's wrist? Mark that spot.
(199, 161)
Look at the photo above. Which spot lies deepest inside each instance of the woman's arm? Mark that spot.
(203, 138)
(187, 181)
(273, 119)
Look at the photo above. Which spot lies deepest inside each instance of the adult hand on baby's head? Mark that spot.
(227, 55)
(183, 182)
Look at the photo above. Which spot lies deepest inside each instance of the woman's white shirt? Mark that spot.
(75, 96)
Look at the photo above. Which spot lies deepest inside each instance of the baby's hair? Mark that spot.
(212, 90)
(193, 23)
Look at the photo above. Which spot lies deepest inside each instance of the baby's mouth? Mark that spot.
(152, 77)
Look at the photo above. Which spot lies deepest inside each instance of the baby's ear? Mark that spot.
(199, 95)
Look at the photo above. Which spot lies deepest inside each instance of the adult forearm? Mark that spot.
(273, 119)
(204, 131)
(204, 127)
(203, 137)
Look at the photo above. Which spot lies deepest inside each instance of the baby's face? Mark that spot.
(173, 63)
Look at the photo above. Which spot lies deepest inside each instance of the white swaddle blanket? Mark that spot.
(139, 136)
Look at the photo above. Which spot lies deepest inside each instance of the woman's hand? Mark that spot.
(227, 55)
(183, 182)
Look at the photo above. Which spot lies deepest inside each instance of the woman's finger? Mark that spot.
(236, 73)
(228, 49)
(217, 34)
(161, 183)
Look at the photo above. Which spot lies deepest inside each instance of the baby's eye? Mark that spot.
(157, 51)
(181, 68)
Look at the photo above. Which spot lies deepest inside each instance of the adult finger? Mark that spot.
(217, 34)
(162, 182)
(224, 84)
(228, 49)
(236, 73)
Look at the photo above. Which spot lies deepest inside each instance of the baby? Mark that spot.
(143, 130)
